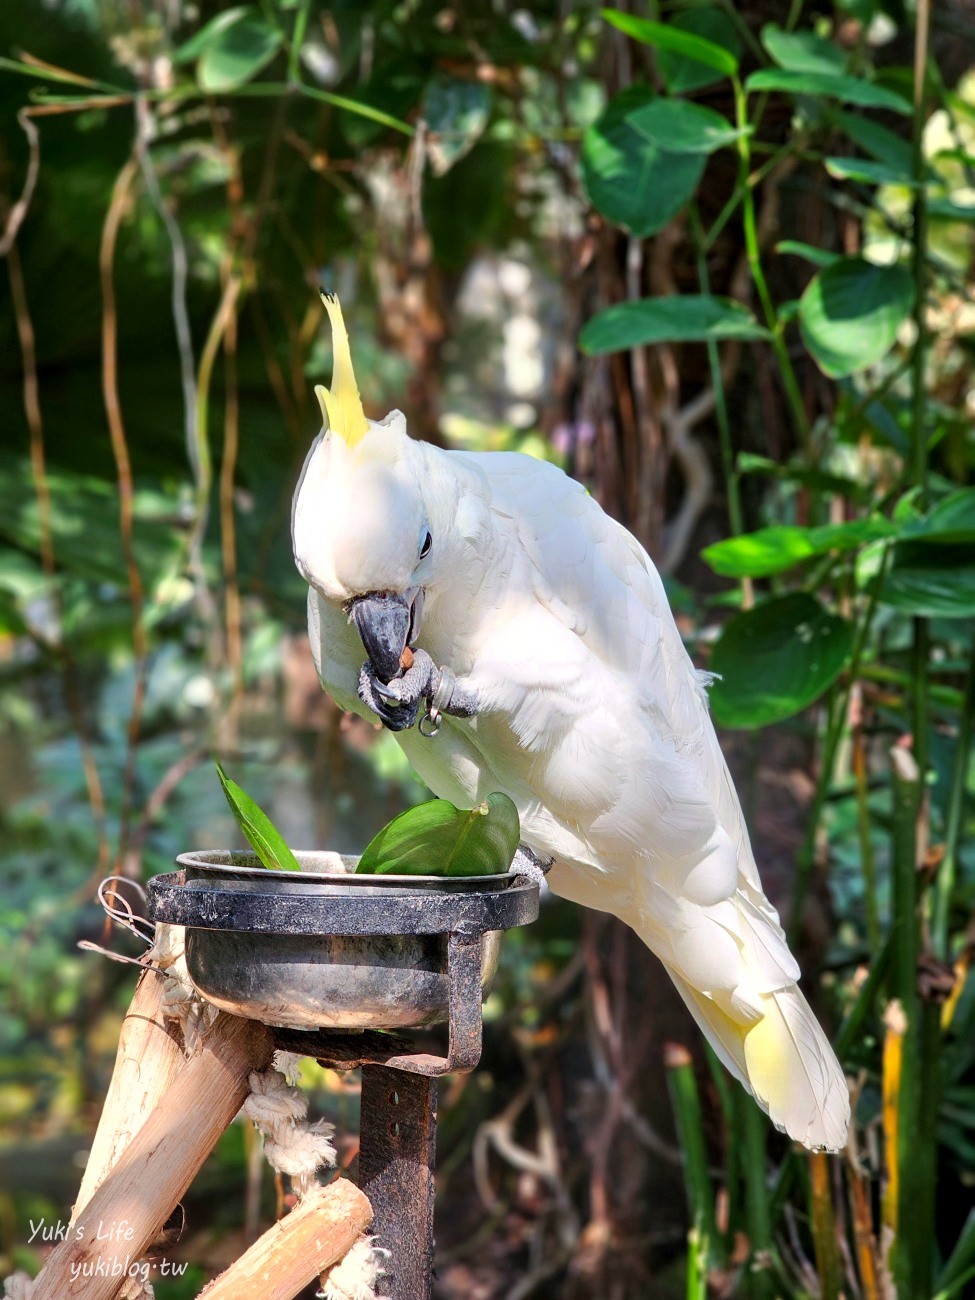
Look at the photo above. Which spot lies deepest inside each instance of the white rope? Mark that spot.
(292, 1145)
(18, 1286)
(357, 1274)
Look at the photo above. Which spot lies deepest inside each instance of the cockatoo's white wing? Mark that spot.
(617, 749)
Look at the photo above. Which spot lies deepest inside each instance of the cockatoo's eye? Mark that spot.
(426, 544)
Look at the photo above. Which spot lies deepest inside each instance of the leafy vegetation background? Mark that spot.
(713, 258)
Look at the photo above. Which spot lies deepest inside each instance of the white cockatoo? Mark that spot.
(550, 667)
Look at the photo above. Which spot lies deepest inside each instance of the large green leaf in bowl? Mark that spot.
(437, 839)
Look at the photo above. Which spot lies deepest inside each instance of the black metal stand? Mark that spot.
(398, 1128)
(398, 1118)
(397, 1159)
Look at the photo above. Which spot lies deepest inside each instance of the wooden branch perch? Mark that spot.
(150, 1176)
(323, 1227)
(150, 1055)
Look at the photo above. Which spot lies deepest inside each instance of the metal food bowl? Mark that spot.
(326, 949)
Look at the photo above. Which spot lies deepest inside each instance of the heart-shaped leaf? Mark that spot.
(438, 839)
(776, 659)
(237, 51)
(802, 51)
(688, 318)
(682, 74)
(456, 112)
(851, 311)
(683, 127)
(628, 178)
(261, 833)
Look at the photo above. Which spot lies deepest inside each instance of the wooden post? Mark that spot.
(111, 1232)
(150, 1055)
(321, 1229)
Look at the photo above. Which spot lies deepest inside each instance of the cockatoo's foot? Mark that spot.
(397, 703)
(393, 713)
(527, 863)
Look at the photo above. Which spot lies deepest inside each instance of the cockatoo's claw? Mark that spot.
(393, 713)
(397, 703)
(527, 863)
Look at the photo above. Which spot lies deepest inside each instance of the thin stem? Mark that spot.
(918, 251)
(735, 515)
(824, 1226)
(753, 252)
(297, 41)
(757, 1200)
(180, 266)
(945, 883)
(836, 724)
(126, 490)
(686, 1103)
(202, 458)
(864, 834)
(228, 531)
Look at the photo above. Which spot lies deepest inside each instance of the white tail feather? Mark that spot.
(785, 1062)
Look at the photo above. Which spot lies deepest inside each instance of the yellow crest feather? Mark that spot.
(341, 404)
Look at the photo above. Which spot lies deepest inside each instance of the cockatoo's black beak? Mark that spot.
(387, 625)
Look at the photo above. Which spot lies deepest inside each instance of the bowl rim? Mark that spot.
(240, 862)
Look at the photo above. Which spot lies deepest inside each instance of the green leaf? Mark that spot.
(683, 75)
(959, 1267)
(776, 659)
(878, 141)
(932, 569)
(931, 580)
(682, 127)
(849, 90)
(456, 112)
(951, 520)
(237, 52)
(437, 839)
(261, 833)
(688, 318)
(820, 256)
(773, 550)
(802, 51)
(868, 172)
(194, 47)
(851, 311)
(796, 471)
(630, 180)
(942, 209)
(667, 37)
(12, 621)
